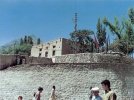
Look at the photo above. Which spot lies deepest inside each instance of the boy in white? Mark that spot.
(95, 96)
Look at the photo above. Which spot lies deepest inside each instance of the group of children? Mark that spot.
(109, 94)
(37, 95)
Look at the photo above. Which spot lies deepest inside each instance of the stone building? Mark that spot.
(58, 47)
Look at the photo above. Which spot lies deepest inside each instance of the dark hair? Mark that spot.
(106, 82)
(20, 97)
(54, 87)
(40, 89)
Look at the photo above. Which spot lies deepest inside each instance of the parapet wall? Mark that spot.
(92, 58)
(11, 60)
(39, 60)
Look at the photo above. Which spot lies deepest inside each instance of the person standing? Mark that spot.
(34, 96)
(109, 94)
(90, 94)
(95, 95)
(53, 96)
(38, 94)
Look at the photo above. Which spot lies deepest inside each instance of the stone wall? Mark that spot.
(39, 60)
(92, 58)
(7, 60)
(72, 81)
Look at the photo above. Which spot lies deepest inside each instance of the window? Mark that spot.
(54, 53)
(40, 49)
(39, 54)
(54, 46)
(46, 54)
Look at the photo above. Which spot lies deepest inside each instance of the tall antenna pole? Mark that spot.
(75, 22)
(75, 29)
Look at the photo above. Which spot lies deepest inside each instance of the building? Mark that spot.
(58, 47)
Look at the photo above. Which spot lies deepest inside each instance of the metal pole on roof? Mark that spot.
(75, 29)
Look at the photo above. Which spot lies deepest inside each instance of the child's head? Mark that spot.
(20, 98)
(106, 85)
(95, 91)
(40, 89)
(54, 87)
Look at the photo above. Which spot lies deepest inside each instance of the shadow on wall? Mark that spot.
(7, 60)
(39, 60)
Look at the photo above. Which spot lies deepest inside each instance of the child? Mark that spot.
(52, 96)
(34, 96)
(109, 94)
(95, 92)
(20, 98)
(38, 94)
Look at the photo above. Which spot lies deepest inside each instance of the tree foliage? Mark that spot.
(124, 32)
(131, 15)
(101, 33)
(38, 41)
(83, 38)
(23, 46)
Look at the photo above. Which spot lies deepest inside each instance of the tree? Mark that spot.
(30, 40)
(25, 40)
(21, 41)
(115, 28)
(83, 38)
(131, 15)
(124, 32)
(38, 41)
(101, 33)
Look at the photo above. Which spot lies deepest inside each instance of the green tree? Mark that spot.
(30, 40)
(115, 27)
(131, 15)
(21, 41)
(83, 38)
(25, 40)
(38, 41)
(124, 32)
(101, 33)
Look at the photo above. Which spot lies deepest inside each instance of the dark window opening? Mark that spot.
(40, 49)
(46, 54)
(39, 54)
(54, 53)
(54, 46)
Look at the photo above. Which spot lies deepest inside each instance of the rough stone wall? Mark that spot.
(39, 60)
(7, 60)
(72, 81)
(92, 58)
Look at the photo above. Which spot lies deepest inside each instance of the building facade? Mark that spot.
(58, 47)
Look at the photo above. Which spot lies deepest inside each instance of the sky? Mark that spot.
(53, 19)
